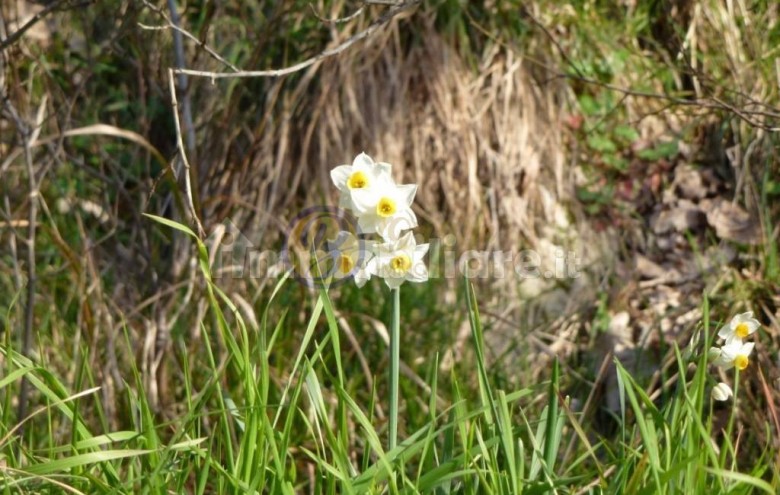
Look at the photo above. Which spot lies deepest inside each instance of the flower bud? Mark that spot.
(721, 392)
(714, 353)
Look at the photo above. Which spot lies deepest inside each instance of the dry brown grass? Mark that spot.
(485, 146)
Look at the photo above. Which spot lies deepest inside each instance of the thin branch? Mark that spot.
(16, 35)
(183, 154)
(180, 72)
(28, 135)
(711, 103)
(175, 26)
(554, 41)
(338, 20)
(373, 27)
(192, 37)
(174, 22)
(13, 224)
(186, 107)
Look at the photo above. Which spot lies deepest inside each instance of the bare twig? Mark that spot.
(192, 37)
(14, 37)
(338, 20)
(176, 27)
(183, 155)
(28, 135)
(174, 22)
(181, 72)
(373, 27)
(186, 107)
(13, 224)
(711, 103)
(554, 41)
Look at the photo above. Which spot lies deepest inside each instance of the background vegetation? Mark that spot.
(639, 136)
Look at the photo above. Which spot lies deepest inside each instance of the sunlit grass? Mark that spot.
(306, 429)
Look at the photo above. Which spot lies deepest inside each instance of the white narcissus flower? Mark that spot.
(385, 208)
(363, 175)
(350, 257)
(722, 392)
(740, 327)
(399, 261)
(733, 354)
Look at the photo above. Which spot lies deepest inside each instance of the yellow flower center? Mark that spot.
(741, 362)
(400, 264)
(742, 330)
(346, 264)
(357, 180)
(385, 208)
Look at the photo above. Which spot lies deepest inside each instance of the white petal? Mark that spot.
(418, 273)
(361, 277)
(372, 266)
(391, 229)
(722, 392)
(367, 223)
(747, 349)
(406, 242)
(731, 349)
(733, 339)
(726, 332)
(384, 183)
(345, 200)
(724, 357)
(752, 324)
(405, 194)
(383, 168)
(383, 176)
(728, 353)
(420, 251)
(364, 201)
(410, 218)
(724, 363)
(339, 176)
(362, 161)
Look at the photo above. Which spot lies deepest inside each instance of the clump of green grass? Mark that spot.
(251, 428)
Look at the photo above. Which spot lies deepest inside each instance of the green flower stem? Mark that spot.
(730, 427)
(395, 336)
